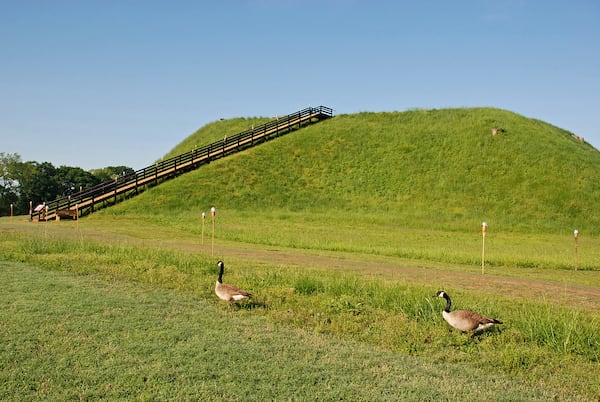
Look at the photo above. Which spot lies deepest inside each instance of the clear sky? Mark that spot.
(92, 84)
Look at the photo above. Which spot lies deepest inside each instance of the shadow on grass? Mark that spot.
(486, 333)
(249, 305)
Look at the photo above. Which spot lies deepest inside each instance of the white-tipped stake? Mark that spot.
(203, 220)
(484, 226)
(77, 216)
(213, 213)
(576, 235)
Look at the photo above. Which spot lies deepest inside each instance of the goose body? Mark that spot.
(465, 320)
(228, 293)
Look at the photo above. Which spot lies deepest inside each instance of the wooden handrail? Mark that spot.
(87, 199)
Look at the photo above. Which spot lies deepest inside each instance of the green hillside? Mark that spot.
(421, 168)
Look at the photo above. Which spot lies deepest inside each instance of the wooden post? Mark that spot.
(46, 221)
(203, 220)
(484, 226)
(213, 212)
(576, 235)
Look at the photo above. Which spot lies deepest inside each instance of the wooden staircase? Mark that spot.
(110, 192)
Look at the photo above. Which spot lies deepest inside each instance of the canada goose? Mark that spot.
(465, 320)
(229, 293)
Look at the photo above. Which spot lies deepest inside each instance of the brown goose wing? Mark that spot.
(235, 290)
(467, 320)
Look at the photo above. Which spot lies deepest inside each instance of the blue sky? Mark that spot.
(103, 83)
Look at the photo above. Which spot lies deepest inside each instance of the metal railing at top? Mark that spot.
(86, 200)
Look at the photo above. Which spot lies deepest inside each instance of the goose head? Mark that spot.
(441, 293)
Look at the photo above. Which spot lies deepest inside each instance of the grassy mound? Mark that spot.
(417, 169)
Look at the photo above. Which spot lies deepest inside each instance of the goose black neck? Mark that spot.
(448, 303)
(220, 280)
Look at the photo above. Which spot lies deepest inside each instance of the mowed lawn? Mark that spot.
(68, 336)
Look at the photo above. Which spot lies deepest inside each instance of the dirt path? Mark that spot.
(531, 289)
(585, 297)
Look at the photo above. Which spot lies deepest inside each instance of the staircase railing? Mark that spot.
(87, 200)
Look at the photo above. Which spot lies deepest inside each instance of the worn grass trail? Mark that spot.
(69, 336)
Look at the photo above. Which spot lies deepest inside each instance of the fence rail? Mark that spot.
(87, 200)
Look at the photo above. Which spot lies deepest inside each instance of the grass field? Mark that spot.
(343, 232)
(72, 337)
(129, 313)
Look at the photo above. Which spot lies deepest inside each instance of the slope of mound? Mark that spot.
(420, 168)
(215, 131)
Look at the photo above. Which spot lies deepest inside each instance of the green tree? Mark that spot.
(9, 185)
(22, 183)
(72, 179)
(112, 172)
(38, 182)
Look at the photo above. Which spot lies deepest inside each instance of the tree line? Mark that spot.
(25, 182)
